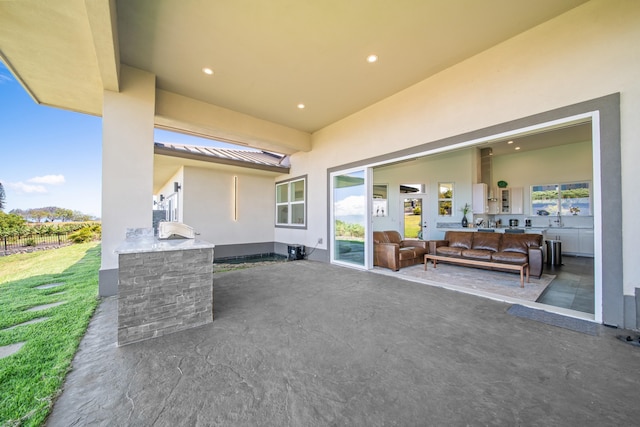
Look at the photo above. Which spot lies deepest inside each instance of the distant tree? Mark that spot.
(38, 214)
(64, 214)
(2, 197)
(23, 213)
(52, 213)
(81, 217)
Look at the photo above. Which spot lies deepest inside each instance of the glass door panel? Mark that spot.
(413, 218)
(349, 214)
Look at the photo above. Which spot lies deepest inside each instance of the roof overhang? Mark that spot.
(168, 161)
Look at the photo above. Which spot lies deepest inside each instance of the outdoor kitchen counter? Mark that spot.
(153, 244)
(164, 286)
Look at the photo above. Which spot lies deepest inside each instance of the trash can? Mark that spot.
(554, 252)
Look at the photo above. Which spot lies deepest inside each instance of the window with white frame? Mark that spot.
(561, 199)
(291, 203)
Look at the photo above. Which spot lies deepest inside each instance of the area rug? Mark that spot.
(476, 280)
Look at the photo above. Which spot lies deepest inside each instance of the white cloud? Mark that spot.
(21, 187)
(47, 179)
(352, 205)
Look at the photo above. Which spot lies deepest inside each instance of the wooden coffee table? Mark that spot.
(522, 268)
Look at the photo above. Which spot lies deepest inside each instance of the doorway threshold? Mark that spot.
(489, 295)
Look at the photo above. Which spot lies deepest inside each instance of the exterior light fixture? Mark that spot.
(176, 187)
(372, 58)
(235, 198)
(208, 71)
(161, 198)
(510, 142)
(301, 106)
(517, 148)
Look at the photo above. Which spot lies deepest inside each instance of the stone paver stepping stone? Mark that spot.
(57, 294)
(49, 286)
(10, 349)
(30, 322)
(45, 306)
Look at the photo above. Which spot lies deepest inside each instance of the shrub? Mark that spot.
(30, 242)
(81, 236)
(96, 229)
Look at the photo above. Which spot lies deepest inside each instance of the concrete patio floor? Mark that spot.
(309, 344)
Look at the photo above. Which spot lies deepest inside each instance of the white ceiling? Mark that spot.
(546, 138)
(267, 56)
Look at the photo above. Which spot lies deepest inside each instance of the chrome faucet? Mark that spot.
(559, 220)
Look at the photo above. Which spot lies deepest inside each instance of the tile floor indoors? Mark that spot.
(573, 287)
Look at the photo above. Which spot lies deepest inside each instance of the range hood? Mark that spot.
(486, 171)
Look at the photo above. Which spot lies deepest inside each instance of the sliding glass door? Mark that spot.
(349, 217)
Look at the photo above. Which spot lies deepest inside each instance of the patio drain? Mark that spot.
(8, 350)
(634, 341)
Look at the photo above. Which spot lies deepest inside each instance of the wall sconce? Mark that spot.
(235, 198)
(161, 198)
(176, 187)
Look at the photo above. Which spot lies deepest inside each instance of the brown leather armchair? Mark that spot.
(390, 251)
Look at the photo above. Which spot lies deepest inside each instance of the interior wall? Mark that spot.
(209, 202)
(455, 167)
(562, 164)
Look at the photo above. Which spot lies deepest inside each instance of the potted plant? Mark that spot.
(465, 210)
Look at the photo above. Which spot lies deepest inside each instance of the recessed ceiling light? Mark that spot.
(208, 71)
(301, 106)
(372, 58)
(517, 148)
(510, 142)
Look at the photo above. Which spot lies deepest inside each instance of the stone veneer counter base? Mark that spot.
(164, 287)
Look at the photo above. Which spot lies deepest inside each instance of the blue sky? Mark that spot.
(52, 157)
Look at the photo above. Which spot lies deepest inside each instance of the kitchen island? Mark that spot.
(165, 286)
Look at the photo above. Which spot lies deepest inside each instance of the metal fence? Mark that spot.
(16, 243)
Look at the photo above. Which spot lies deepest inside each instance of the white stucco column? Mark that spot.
(127, 166)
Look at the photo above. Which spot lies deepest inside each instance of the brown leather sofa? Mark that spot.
(390, 251)
(504, 248)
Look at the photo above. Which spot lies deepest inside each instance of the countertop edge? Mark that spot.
(142, 245)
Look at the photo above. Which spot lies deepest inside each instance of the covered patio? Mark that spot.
(307, 343)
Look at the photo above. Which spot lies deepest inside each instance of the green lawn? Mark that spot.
(31, 379)
(411, 226)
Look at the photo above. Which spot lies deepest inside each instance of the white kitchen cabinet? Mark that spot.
(574, 241)
(586, 241)
(517, 200)
(504, 200)
(479, 202)
(510, 200)
(570, 239)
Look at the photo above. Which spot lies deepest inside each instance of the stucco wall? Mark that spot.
(208, 205)
(168, 190)
(586, 53)
(127, 164)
